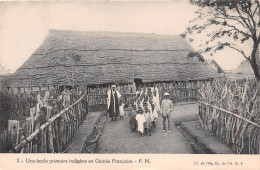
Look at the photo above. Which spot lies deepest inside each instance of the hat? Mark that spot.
(166, 94)
(113, 86)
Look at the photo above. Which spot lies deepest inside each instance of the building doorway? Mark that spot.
(138, 82)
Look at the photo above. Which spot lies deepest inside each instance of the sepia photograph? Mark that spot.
(115, 77)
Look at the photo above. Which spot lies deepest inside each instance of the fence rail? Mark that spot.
(241, 134)
(51, 132)
(226, 111)
(98, 102)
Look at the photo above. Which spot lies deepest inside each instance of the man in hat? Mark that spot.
(167, 108)
(113, 97)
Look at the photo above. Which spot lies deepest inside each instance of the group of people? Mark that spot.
(143, 109)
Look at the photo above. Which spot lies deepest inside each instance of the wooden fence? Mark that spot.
(182, 91)
(3, 141)
(230, 110)
(241, 134)
(179, 92)
(55, 137)
(50, 130)
(97, 95)
(98, 102)
(179, 95)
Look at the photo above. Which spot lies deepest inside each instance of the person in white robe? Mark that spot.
(113, 97)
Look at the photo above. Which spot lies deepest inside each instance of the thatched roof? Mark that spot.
(215, 66)
(109, 57)
(244, 68)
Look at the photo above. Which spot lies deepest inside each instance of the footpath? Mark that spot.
(98, 134)
(118, 138)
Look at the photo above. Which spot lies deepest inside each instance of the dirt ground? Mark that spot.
(118, 138)
(184, 113)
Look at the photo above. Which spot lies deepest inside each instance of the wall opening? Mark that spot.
(138, 82)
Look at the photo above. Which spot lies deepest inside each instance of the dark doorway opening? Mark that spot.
(138, 82)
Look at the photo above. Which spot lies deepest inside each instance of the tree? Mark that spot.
(234, 23)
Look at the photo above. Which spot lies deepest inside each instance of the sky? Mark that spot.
(24, 25)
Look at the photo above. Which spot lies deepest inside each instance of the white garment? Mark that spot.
(141, 105)
(154, 114)
(149, 107)
(121, 109)
(109, 97)
(140, 122)
(154, 100)
(157, 99)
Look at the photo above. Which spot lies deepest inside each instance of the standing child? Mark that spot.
(132, 115)
(148, 121)
(140, 122)
(154, 116)
(121, 109)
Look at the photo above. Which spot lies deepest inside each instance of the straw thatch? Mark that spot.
(215, 66)
(108, 57)
(245, 70)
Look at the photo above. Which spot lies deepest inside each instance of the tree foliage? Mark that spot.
(228, 23)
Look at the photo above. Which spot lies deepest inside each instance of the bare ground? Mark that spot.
(118, 138)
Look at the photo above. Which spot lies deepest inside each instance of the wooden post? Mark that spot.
(57, 147)
(32, 111)
(3, 141)
(13, 132)
(44, 141)
(28, 129)
(200, 113)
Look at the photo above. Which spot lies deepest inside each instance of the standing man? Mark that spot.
(112, 102)
(167, 108)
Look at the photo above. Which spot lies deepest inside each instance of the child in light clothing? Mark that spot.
(154, 116)
(148, 121)
(140, 122)
(121, 109)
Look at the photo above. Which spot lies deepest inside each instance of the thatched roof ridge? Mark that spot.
(215, 66)
(109, 57)
(245, 68)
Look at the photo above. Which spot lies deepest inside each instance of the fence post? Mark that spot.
(28, 129)
(3, 141)
(13, 132)
(200, 113)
